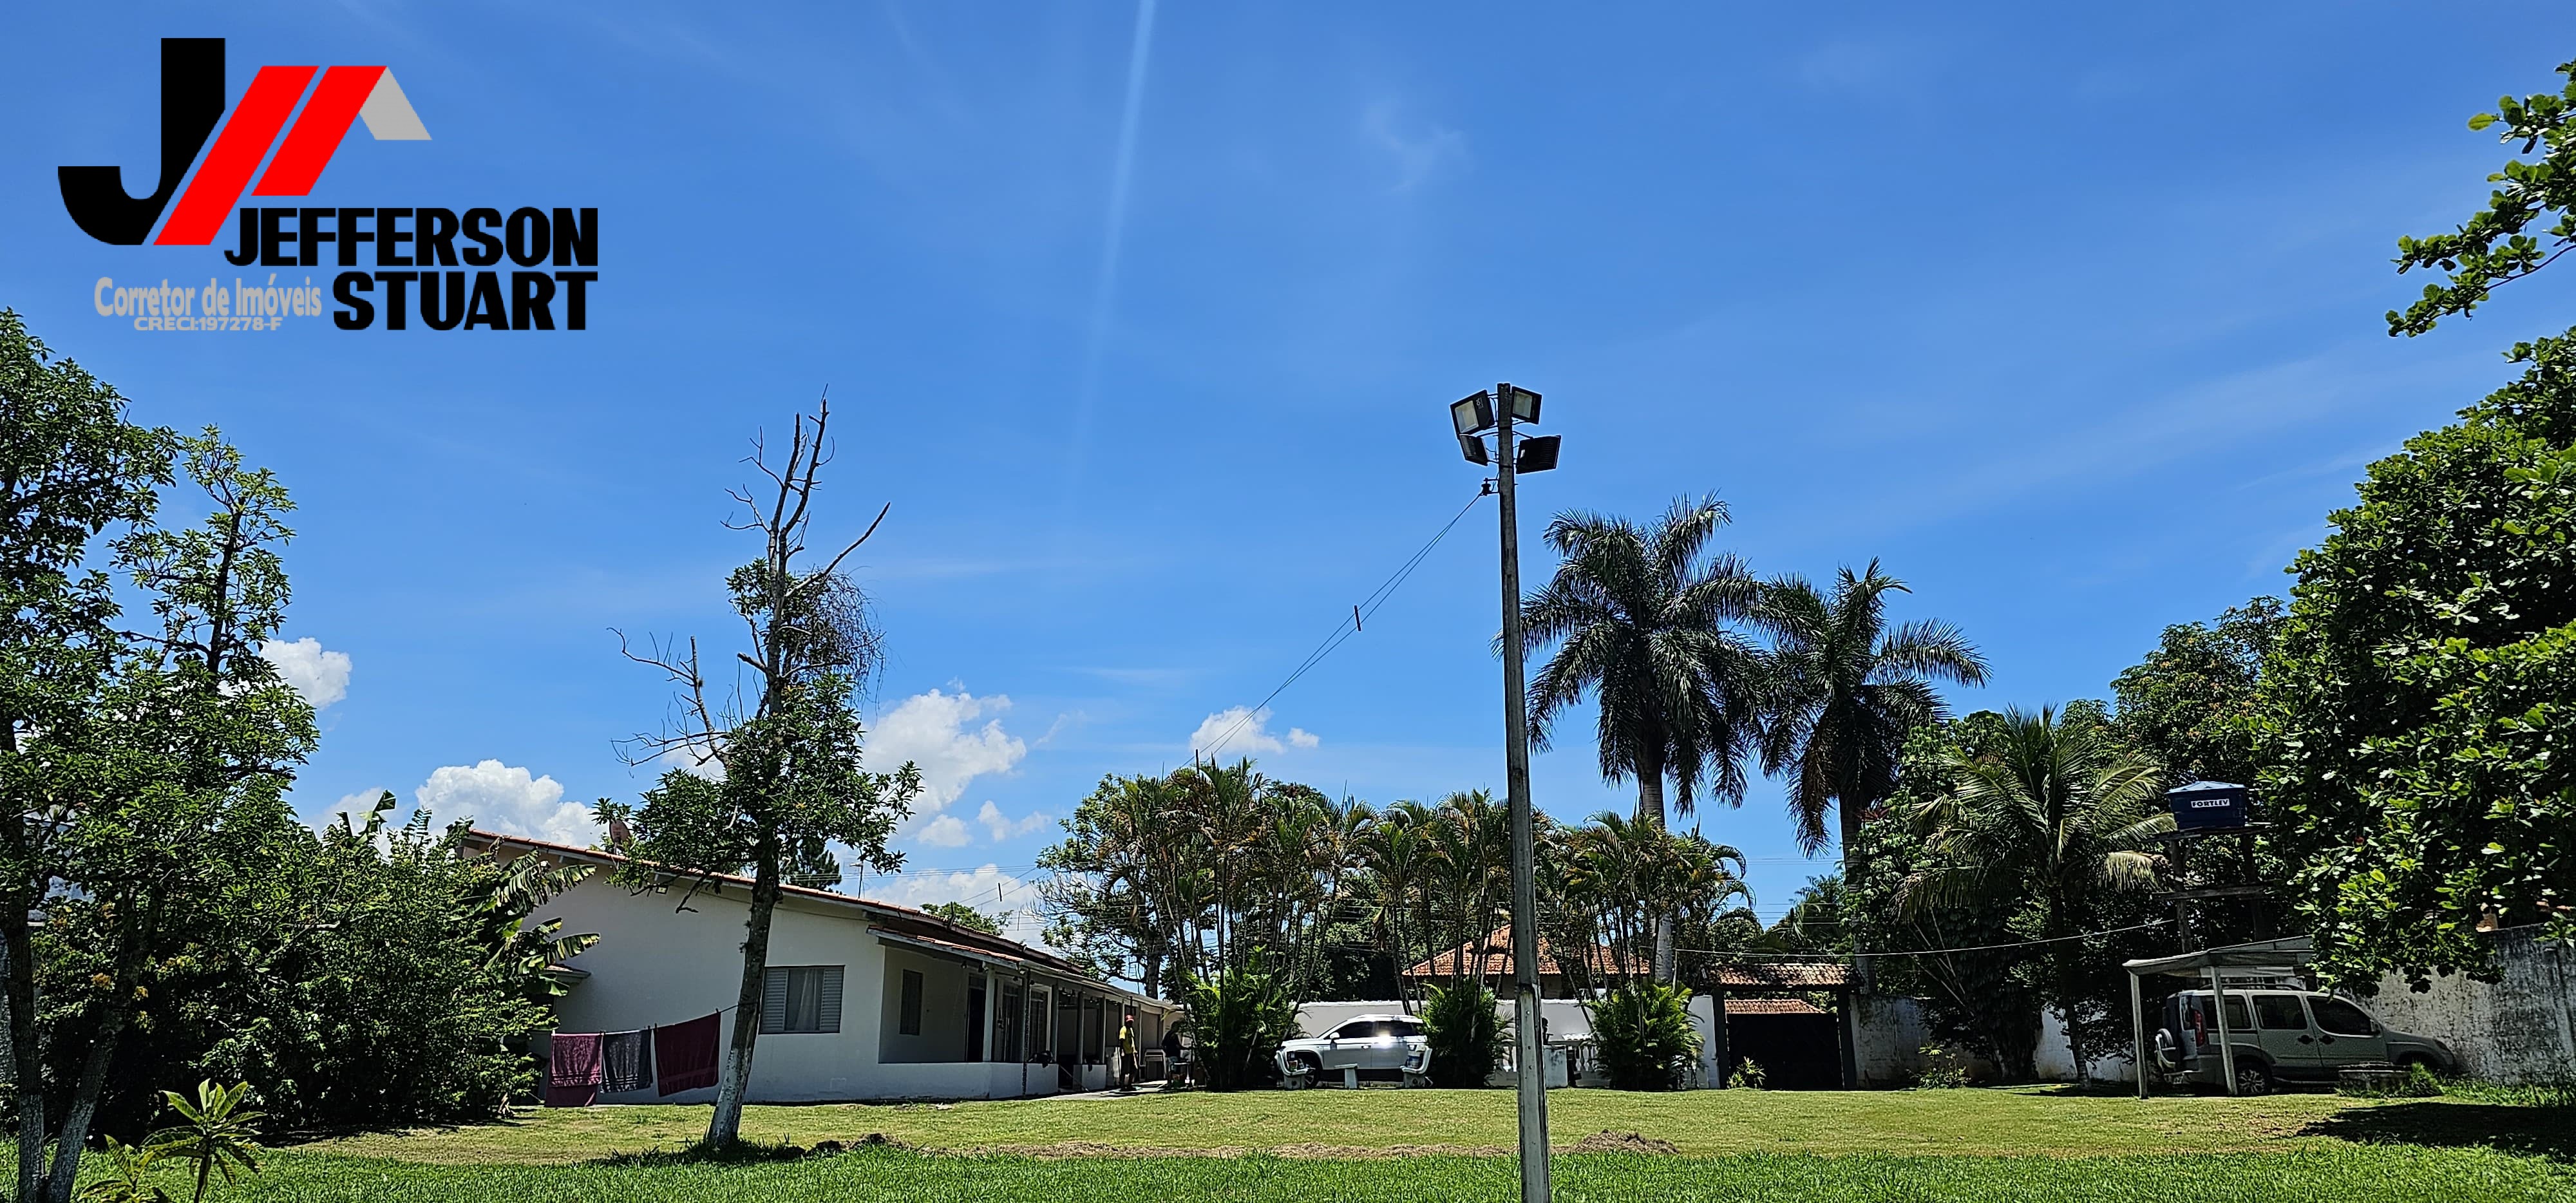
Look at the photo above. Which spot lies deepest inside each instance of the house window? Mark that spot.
(908, 1020)
(800, 998)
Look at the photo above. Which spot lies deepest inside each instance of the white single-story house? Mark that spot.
(869, 1000)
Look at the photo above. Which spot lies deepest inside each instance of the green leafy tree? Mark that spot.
(2497, 245)
(72, 468)
(2420, 697)
(2418, 701)
(2059, 814)
(965, 916)
(192, 747)
(2192, 703)
(773, 774)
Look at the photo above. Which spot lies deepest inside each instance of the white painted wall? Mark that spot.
(654, 966)
(1888, 1039)
(657, 965)
(2518, 1030)
(2054, 1064)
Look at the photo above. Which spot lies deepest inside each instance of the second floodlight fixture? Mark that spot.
(1524, 405)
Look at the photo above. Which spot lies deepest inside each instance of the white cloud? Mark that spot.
(322, 677)
(946, 831)
(987, 889)
(934, 730)
(697, 758)
(504, 798)
(1246, 732)
(1004, 827)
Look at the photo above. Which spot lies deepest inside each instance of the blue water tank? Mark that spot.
(2208, 806)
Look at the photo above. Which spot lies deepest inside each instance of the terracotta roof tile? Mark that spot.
(1781, 975)
(1771, 1006)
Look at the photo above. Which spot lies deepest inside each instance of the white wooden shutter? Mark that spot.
(773, 1001)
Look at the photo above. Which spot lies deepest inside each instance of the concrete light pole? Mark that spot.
(1472, 416)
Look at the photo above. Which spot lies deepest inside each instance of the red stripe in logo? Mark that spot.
(201, 210)
(317, 131)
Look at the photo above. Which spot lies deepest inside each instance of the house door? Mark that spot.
(975, 1019)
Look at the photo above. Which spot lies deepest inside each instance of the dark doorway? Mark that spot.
(975, 1019)
(1795, 1051)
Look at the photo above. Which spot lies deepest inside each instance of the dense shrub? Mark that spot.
(1240, 1018)
(1466, 1033)
(1645, 1037)
(364, 975)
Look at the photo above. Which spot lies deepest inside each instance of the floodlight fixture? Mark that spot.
(1538, 454)
(1524, 405)
(1472, 415)
(1473, 447)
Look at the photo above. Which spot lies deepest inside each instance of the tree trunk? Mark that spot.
(725, 1126)
(1650, 809)
(83, 1106)
(1853, 812)
(26, 1073)
(2061, 956)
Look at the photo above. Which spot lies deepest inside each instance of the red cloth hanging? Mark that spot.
(573, 1070)
(684, 1054)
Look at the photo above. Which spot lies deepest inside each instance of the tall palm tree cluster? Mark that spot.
(1699, 671)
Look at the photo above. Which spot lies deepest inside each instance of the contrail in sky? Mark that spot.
(1104, 293)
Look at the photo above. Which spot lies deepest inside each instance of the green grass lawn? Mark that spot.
(1912, 1146)
(1705, 1122)
(2307, 1176)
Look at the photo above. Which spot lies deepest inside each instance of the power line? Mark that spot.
(1343, 630)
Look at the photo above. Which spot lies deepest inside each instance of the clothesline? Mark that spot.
(671, 1057)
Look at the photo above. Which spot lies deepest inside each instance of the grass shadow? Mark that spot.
(2526, 1131)
(744, 1152)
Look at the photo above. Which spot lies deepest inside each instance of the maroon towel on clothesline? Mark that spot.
(572, 1069)
(684, 1054)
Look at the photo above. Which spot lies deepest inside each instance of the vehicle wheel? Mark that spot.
(1417, 1080)
(2253, 1078)
(2408, 1063)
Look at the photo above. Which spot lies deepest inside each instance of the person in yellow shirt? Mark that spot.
(1127, 1053)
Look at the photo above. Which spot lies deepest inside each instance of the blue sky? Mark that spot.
(2070, 317)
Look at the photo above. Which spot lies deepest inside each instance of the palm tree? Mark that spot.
(1847, 693)
(1643, 621)
(2057, 812)
(1395, 844)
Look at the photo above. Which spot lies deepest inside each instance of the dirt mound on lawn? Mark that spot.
(1599, 1142)
(1606, 1141)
